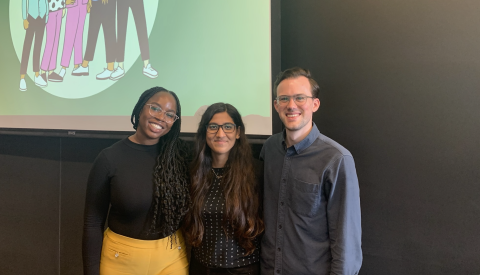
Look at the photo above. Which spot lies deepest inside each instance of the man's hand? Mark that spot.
(104, 2)
(25, 24)
(89, 6)
(70, 2)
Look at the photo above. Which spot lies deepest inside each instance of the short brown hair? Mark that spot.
(294, 73)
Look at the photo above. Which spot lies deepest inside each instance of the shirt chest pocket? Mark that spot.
(305, 198)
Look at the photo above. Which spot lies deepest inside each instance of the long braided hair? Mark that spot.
(171, 195)
(242, 203)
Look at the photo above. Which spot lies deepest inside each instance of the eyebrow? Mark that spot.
(156, 104)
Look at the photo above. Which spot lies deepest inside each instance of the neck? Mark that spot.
(294, 137)
(219, 161)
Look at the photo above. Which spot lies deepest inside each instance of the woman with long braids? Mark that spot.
(140, 185)
(225, 220)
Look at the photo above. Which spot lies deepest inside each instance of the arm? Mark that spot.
(97, 203)
(344, 221)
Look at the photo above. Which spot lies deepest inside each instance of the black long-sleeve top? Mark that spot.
(121, 176)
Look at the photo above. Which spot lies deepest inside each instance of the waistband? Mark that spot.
(177, 240)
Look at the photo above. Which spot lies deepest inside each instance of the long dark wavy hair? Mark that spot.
(243, 209)
(171, 196)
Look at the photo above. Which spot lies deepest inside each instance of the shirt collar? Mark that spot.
(306, 142)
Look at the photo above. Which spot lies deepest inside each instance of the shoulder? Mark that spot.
(115, 148)
(274, 139)
(334, 148)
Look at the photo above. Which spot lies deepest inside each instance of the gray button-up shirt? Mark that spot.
(311, 208)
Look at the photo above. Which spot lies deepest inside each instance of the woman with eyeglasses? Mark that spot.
(225, 220)
(140, 186)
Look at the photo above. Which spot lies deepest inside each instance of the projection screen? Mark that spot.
(205, 51)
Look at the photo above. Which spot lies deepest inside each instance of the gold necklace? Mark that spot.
(218, 177)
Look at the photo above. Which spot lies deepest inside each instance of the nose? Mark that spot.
(160, 116)
(220, 132)
(291, 104)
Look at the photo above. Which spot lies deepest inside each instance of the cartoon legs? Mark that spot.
(100, 15)
(138, 12)
(73, 36)
(49, 60)
(36, 28)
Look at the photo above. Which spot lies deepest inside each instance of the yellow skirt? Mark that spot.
(122, 255)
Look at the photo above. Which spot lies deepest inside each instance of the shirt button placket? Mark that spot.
(281, 215)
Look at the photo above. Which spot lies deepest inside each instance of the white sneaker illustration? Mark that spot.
(23, 85)
(117, 73)
(40, 82)
(80, 71)
(104, 75)
(149, 71)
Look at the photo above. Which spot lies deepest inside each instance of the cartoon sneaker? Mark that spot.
(40, 81)
(23, 85)
(117, 73)
(80, 71)
(104, 75)
(54, 77)
(149, 71)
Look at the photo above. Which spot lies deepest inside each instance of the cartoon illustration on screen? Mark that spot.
(73, 38)
(102, 14)
(35, 17)
(56, 11)
(138, 12)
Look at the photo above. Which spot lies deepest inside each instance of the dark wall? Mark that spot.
(401, 91)
(42, 193)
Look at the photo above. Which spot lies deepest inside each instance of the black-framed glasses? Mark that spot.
(213, 128)
(298, 99)
(155, 111)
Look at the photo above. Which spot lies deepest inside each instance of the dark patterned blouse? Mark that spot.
(217, 250)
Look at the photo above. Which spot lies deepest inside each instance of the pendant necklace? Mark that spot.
(217, 176)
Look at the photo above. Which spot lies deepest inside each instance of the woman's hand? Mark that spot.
(25, 24)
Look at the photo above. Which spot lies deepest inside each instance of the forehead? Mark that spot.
(165, 100)
(294, 86)
(221, 118)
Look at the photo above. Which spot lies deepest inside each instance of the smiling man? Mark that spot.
(311, 195)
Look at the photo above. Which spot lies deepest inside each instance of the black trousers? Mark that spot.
(36, 27)
(102, 15)
(138, 11)
(197, 268)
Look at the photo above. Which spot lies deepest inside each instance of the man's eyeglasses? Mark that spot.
(155, 111)
(299, 99)
(213, 128)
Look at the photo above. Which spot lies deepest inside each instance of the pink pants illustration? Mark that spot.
(76, 14)
(54, 24)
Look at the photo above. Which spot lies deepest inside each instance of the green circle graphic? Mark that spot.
(74, 87)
